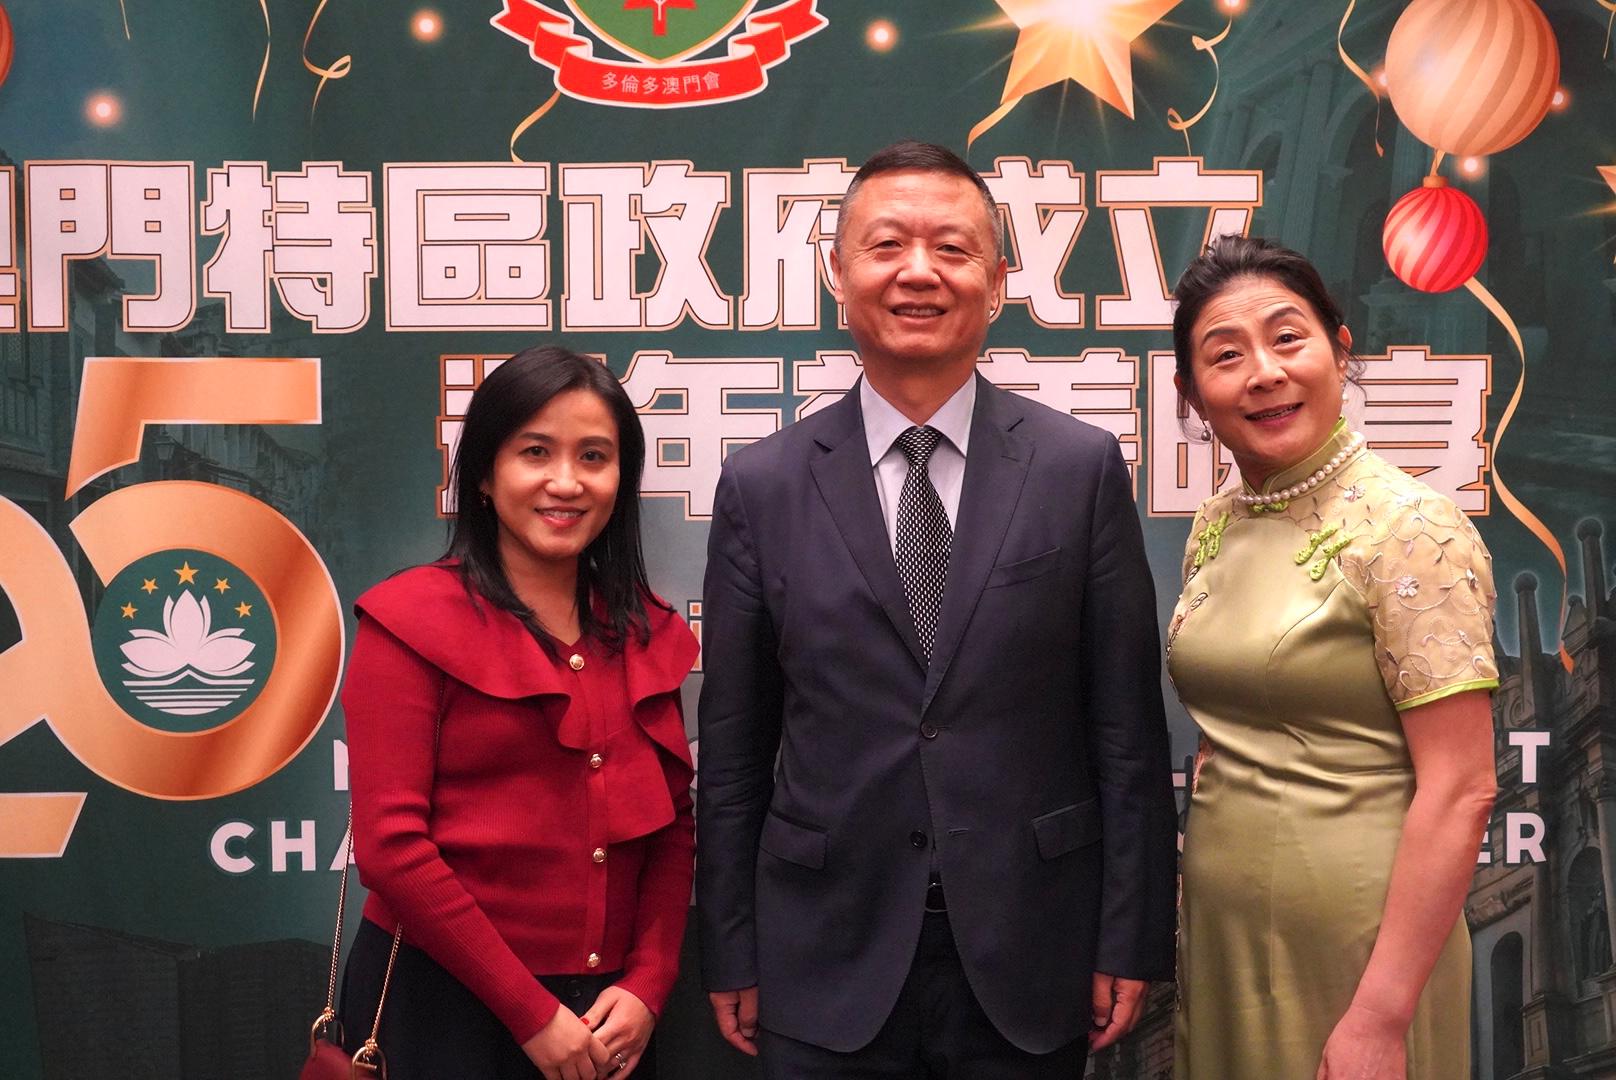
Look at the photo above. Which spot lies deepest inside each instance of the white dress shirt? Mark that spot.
(883, 424)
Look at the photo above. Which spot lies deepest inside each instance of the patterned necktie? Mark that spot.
(924, 536)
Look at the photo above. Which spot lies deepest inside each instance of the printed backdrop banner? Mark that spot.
(255, 257)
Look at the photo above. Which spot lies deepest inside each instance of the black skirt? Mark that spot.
(433, 1028)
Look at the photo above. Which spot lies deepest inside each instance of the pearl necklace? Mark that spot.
(1276, 500)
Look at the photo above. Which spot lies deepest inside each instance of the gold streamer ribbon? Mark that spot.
(1532, 522)
(125, 12)
(532, 118)
(263, 69)
(1436, 161)
(338, 70)
(1608, 174)
(992, 118)
(1609, 6)
(1208, 46)
(1363, 76)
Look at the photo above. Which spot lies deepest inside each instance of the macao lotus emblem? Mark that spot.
(187, 668)
(661, 31)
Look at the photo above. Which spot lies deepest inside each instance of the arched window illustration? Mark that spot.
(1359, 222)
(1507, 976)
(1590, 927)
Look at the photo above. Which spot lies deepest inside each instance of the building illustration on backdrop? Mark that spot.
(163, 1010)
(39, 380)
(1544, 998)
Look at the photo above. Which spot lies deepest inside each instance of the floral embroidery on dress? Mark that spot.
(1427, 580)
(1203, 754)
(1354, 493)
(1178, 620)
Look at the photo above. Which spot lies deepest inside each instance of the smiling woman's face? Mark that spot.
(554, 482)
(1267, 376)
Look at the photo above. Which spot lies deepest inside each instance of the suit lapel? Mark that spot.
(847, 484)
(995, 470)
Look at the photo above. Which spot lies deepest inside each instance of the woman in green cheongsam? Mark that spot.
(1334, 645)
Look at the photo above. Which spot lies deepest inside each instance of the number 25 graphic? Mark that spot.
(51, 673)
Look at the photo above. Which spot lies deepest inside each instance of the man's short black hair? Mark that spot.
(913, 156)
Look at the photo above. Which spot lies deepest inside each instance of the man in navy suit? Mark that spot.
(935, 826)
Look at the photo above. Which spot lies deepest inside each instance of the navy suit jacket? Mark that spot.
(1031, 752)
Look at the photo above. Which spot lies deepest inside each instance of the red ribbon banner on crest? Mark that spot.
(765, 41)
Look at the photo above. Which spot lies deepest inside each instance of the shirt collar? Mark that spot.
(883, 423)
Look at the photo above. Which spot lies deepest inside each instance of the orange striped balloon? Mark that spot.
(1435, 237)
(1472, 77)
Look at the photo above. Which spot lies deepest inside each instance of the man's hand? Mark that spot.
(736, 1013)
(1118, 1004)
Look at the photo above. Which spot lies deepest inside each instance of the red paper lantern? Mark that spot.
(1435, 237)
(8, 44)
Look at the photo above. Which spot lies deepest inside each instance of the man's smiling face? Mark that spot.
(917, 271)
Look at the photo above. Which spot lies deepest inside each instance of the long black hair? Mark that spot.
(611, 570)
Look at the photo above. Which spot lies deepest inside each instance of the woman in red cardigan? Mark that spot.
(517, 755)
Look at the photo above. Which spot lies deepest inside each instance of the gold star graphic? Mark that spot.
(222, 584)
(187, 573)
(244, 609)
(128, 611)
(1087, 41)
(149, 585)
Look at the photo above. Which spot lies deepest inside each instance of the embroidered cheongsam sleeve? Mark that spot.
(1427, 580)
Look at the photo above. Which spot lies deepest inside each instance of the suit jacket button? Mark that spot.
(592, 961)
(917, 839)
(928, 730)
(599, 854)
(575, 662)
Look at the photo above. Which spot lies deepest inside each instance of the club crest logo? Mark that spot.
(184, 640)
(676, 53)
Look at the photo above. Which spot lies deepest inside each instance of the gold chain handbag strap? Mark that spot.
(328, 1015)
(368, 1057)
